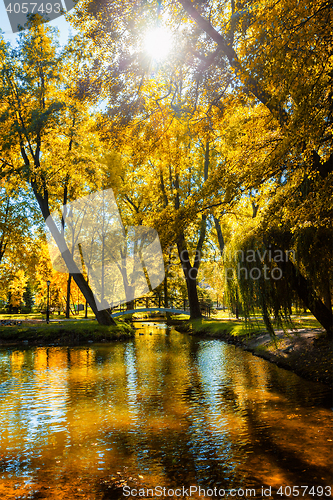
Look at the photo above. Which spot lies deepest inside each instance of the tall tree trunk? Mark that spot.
(103, 316)
(220, 238)
(327, 296)
(68, 296)
(165, 288)
(195, 310)
(190, 274)
(3, 244)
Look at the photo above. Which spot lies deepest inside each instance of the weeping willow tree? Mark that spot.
(270, 268)
(255, 280)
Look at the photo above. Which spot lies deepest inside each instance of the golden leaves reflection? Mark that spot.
(164, 405)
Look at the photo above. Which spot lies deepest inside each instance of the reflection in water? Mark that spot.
(177, 410)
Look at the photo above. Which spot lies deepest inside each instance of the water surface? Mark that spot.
(177, 410)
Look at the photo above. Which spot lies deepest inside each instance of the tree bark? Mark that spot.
(103, 316)
(220, 238)
(190, 274)
(165, 289)
(68, 296)
(3, 244)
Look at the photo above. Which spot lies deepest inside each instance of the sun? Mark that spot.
(158, 43)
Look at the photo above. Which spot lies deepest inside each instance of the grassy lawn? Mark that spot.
(65, 332)
(306, 320)
(38, 315)
(239, 328)
(76, 330)
(232, 327)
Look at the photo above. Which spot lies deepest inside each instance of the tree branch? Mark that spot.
(251, 85)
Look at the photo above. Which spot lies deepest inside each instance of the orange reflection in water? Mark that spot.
(174, 409)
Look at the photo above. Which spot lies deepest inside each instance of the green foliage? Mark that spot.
(28, 298)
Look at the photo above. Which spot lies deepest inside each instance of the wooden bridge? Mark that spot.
(156, 304)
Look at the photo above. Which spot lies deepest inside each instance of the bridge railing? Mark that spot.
(157, 301)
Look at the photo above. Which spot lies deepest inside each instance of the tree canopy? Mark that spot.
(226, 139)
(256, 77)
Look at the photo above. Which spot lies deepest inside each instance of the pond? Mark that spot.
(172, 410)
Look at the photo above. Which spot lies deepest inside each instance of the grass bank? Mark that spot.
(232, 330)
(68, 333)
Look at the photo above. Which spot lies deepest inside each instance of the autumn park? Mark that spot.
(166, 249)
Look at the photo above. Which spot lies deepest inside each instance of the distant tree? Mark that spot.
(17, 287)
(28, 298)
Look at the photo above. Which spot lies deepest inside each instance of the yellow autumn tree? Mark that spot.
(48, 139)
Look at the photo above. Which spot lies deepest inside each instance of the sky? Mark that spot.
(60, 22)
